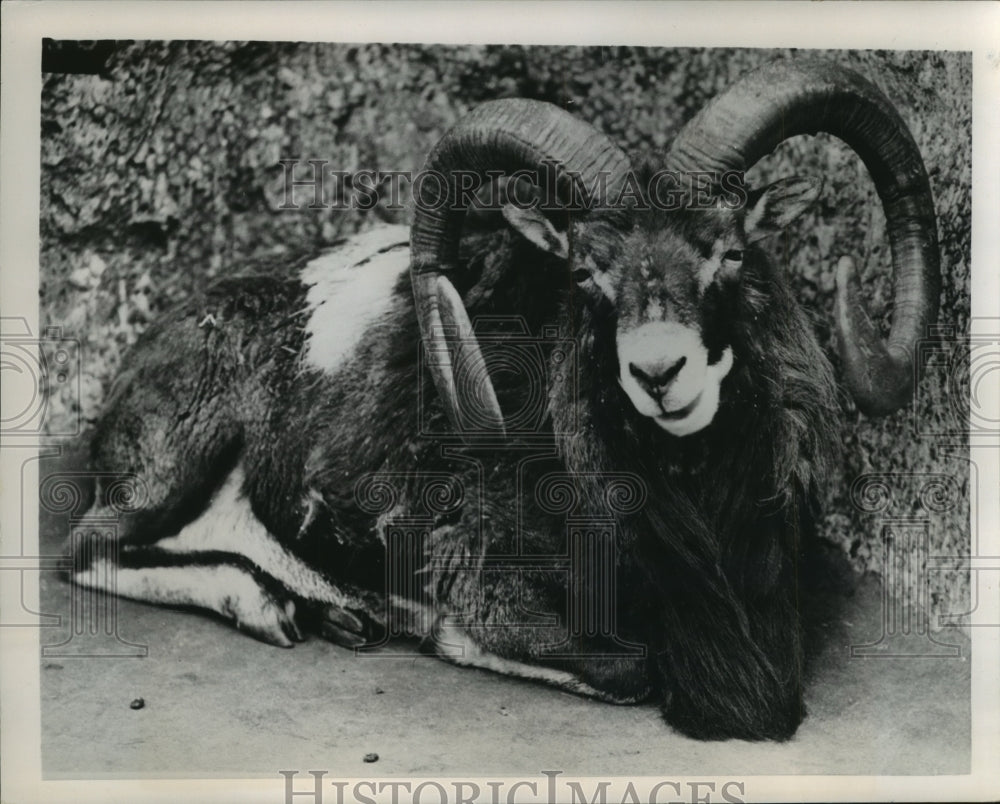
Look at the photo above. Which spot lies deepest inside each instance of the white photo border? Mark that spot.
(972, 27)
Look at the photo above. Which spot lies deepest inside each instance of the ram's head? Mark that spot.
(662, 249)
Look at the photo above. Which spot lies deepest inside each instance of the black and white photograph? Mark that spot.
(405, 403)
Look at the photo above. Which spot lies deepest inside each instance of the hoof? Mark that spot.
(269, 620)
(345, 628)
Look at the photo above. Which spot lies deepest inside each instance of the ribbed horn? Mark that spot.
(500, 136)
(788, 98)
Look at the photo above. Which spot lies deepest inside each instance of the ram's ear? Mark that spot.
(771, 209)
(532, 224)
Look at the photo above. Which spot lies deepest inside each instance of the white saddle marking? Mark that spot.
(350, 289)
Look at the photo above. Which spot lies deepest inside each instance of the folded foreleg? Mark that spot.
(227, 562)
(224, 583)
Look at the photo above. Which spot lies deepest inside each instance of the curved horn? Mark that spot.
(788, 98)
(499, 136)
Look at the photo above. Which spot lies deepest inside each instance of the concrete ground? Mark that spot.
(220, 704)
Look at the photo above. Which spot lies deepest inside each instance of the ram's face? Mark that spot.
(673, 282)
(674, 297)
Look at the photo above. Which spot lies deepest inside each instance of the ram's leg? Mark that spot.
(510, 622)
(621, 680)
(341, 614)
(173, 427)
(224, 583)
(228, 583)
(168, 428)
(159, 460)
(225, 561)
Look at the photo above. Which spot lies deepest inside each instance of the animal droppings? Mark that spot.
(137, 703)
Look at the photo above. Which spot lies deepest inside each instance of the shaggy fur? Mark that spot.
(712, 557)
(707, 568)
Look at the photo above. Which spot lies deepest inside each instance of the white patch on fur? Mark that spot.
(694, 392)
(708, 270)
(314, 503)
(654, 347)
(603, 281)
(707, 403)
(755, 215)
(229, 524)
(410, 616)
(350, 288)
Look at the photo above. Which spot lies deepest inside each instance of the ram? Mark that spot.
(420, 433)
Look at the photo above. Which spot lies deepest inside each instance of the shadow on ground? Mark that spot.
(216, 703)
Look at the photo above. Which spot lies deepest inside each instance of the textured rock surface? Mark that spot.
(160, 171)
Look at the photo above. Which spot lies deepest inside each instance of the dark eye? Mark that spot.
(580, 275)
(733, 255)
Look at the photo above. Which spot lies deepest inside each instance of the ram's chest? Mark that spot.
(350, 291)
